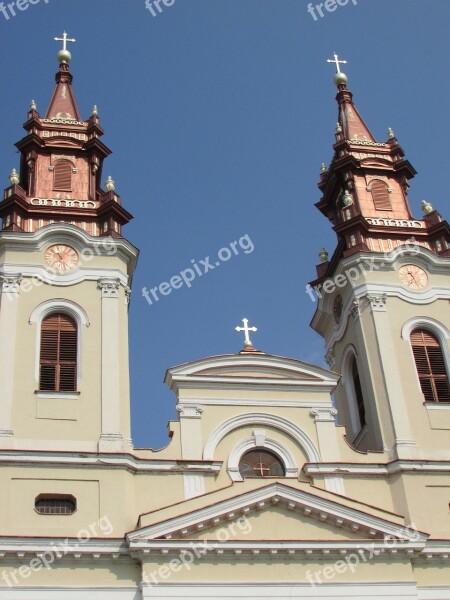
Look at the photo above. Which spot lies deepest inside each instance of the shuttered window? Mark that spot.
(358, 394)
(58, 358)
(62, 175)
(380, 195)
(430, 364)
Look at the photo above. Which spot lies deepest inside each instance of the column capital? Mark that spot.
(11, 282)
(330, 357)
(190, 410)
(109, 287)
(377, 302)
(324, 414)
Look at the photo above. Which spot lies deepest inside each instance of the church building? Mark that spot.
(282, 479)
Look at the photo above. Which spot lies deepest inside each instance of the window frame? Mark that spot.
(46, 496)
(430, 375)
(59, 362)
(58, 165)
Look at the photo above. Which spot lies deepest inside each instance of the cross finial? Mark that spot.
(246, 329)
(337, 62)
(64, 40)
(64, 55)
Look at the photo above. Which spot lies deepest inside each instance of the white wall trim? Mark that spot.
(67, 307)
(260, 441)
(302, 439)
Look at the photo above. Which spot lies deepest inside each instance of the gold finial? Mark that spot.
(323, 255)
(33, 105)
(95, 111)
(110, 184)
(391, 133)
(338, 128)
(14, 177)
(427, 207)
(323, 168)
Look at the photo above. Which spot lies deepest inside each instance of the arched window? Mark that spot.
(58, 354)
(358, 394)
(430, 364)
(62, 176)
(380, 195)
(259, 462)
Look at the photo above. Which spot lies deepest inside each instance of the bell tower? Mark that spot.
(65, 276)
(383, 296)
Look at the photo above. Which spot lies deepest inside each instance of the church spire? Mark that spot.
(60, 176)
(365, 190)
(63, 104)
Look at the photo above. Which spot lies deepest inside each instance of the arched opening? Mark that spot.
(380, 195)
(260, 462)
(58, 354)
(62, 176)
(430, 365)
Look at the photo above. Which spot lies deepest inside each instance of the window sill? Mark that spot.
(437, 405)
(57, 395)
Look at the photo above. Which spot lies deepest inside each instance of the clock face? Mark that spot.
(413, 277)
(61, 258)
(337, 308)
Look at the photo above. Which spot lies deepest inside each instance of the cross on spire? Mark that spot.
(246, 329)
(64, 40)
(337, 62)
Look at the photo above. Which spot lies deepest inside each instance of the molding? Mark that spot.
(57, 395)
(437, 405)
(327, 415)
(70, 593)
(259, 440)
(302, 439)
(104, 460)
(109, 287)
(439, 329)
(377, 469)
(281, 591)
(276, 402)
(45, 275)
(58, 305)
(10, 282)
(297, 501)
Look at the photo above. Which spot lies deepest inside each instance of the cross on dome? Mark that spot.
(64, 56)
(337, 62)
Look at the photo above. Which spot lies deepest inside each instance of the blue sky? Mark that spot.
(219, 114)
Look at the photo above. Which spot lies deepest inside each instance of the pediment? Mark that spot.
(275, 512)
(251, 368)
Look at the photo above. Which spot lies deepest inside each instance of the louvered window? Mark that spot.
(380, 195)
(358, 394)
(430, 364)
(58, 358)
(62, 174)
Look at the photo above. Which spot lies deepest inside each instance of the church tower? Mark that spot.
(65, 273)
(383, 296)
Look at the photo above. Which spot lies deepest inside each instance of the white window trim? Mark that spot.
(442, 334)
(259, 440)
(58, 305)
(269, 420)
(347, 381)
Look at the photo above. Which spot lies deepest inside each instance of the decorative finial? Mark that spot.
(110, 184)
(33, 105)
(340, 78)
(323, 168)
(323, 255)
(246, 329)
(14, 177)
(338, 128)
(391, 133)
(426, 207)
(347, 200)
(64, 56)
(94, 111)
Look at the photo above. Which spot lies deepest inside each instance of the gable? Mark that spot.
(276, 523)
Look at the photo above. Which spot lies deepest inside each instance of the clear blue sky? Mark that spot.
(219, 114)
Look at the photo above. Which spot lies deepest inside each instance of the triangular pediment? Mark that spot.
(275, 512)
